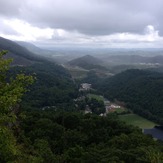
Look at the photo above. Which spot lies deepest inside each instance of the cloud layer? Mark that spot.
(85, 21)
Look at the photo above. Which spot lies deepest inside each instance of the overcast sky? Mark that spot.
(96, 23)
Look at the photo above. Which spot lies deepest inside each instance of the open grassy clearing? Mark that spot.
(136, 120)
(120, 110)
(97, 97)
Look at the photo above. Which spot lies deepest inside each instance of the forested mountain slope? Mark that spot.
(53, 86)
(141, 90)
(20, 55)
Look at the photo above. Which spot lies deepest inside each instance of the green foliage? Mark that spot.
(44, 151)
(74, 137)
(92, 78)
(53, 87)
(11, 91)
(8, 148)
(96, 106)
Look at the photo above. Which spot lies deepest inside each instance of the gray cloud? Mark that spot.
(91, 17)
(5, 29)
(10, 8)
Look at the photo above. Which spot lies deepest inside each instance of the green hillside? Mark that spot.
(87, 62)
(140, 90)
(53, 87)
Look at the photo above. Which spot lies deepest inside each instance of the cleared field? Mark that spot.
(118, 110)
(97, 97)
(136, 120)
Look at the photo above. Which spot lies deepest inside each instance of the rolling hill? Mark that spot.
(87, 62)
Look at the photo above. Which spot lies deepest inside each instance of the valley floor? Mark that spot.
(136, 120)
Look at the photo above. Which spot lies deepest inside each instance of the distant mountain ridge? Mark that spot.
(131, 59)
(21, 55)
(50, 55)
(29, 46)
(33, 48)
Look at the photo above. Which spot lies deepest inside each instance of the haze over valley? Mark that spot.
(81, 81)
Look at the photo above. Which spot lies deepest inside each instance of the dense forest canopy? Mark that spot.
(74, 137)
(53, 87)
(141, 90)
